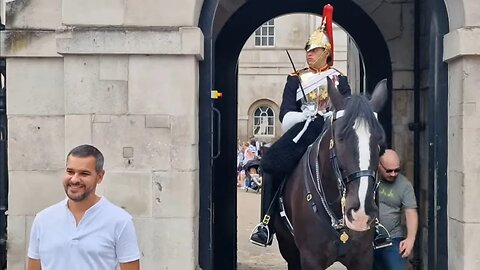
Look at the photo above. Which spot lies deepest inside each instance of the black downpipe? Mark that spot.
(417, 126)
(441, 140)
(205, 138)
(3, 162)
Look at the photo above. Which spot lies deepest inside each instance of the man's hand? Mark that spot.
(34, 264)
(309, 110)
(292, 118)
(406, 247)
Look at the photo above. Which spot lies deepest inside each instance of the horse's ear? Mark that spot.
(338, 101)
(379, 96)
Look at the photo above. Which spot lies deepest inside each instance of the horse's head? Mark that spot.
(357, 137)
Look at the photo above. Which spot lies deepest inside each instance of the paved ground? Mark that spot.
(252, 257)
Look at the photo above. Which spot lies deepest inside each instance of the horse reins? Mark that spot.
(337, 224)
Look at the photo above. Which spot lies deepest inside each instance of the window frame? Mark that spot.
(264, 110)
(263, 34)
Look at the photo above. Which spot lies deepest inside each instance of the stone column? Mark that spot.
(35, 108)
(462, 54)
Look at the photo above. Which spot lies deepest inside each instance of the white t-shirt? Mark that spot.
(104, 237)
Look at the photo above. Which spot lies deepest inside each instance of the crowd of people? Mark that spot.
(248, 164)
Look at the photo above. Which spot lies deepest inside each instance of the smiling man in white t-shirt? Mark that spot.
(84, 231)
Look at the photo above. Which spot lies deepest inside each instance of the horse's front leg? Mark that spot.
(286, 244)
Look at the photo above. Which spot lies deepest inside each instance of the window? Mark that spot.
(264, 121)
(265, 35)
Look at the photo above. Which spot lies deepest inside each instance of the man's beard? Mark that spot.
(77, 197)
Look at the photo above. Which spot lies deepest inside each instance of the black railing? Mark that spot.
(3, 161)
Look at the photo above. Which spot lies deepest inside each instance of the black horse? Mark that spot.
(329, 198)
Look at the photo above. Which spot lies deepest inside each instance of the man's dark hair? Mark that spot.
(86, 150)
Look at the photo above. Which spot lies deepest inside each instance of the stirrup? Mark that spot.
(259, 229)
(382, 237)
(386, 242)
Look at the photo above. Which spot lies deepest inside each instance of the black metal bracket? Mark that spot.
(416, 126)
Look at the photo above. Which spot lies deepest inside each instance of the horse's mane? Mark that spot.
(358, 106)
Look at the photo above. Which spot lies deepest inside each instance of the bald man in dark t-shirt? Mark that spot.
(396, 195)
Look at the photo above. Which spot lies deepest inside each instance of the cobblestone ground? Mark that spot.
(249, 256)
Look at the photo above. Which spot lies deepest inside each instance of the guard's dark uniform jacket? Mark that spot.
(284, 154)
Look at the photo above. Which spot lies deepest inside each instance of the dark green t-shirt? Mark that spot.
(394, 197)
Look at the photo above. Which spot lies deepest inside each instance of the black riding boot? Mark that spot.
(262, 234)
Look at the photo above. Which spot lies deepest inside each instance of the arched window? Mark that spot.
(264, 121)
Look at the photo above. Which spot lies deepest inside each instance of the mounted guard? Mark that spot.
(305, 106)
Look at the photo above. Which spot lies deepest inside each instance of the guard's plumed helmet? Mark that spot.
(322, 37)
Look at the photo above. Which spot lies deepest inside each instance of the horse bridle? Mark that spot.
(342, 182)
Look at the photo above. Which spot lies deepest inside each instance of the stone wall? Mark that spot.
(462, 54)
(395, 20)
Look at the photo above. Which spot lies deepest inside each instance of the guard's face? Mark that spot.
(81, 178)
(317, 57)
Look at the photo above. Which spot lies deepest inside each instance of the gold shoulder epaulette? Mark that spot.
(298, 72)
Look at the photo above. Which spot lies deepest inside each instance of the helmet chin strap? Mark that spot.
(324, 56)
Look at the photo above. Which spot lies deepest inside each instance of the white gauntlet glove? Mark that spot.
(308, 111)
(292, 118)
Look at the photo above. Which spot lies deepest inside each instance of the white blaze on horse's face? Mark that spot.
(360, 218)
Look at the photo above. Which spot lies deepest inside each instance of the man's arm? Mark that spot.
(411, 219)
(34, 264)
(289, 98)
(127, 249)
(135, 265)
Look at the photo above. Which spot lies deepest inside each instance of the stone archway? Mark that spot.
(225, 36)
